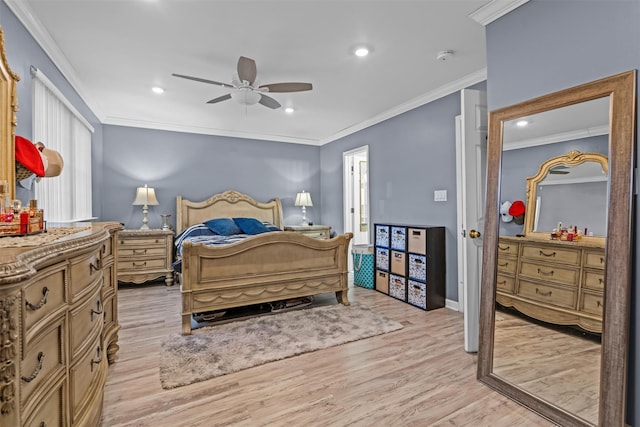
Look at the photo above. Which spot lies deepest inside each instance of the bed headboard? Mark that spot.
(230, 204)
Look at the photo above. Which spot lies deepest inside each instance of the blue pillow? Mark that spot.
(223, 226)
(251, 225)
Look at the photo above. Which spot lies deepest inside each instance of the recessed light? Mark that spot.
(522, 123)
(361, 51)
(157, 89)
(289, 110)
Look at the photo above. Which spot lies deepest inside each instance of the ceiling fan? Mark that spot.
(246, 89)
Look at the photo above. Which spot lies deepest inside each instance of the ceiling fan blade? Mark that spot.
(268, 101)
(220, 99)
(198, 79)
(287, 87)
(247, 69)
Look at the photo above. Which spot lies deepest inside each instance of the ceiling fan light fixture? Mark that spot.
(246, 96)
(157, 89)
(289, 110)
(361, 51)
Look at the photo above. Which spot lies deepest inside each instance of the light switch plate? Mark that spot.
(440, 196)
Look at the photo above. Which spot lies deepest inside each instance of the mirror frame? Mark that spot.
(618, 252)
(572, 158)
(8, 109)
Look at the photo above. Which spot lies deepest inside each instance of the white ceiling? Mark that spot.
(114, 51)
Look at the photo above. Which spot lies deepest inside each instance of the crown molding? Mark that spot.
(494, 10)
(442, 91)
(558, 137)
(33, 25)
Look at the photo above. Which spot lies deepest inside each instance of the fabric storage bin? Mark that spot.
(382, 258)
(398, 287)
(417, 294)
(418, 267)
(399, 238)
(382, 236)
(398, 263)
(417, 240)
(363, 265)
(382, 281)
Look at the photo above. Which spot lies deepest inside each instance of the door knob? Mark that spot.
(474, 234)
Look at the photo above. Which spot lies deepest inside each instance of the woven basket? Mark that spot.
(22, 172)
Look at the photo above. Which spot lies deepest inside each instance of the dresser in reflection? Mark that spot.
(58, 326)
(560, 282)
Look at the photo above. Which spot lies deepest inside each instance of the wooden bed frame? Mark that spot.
(261, 268)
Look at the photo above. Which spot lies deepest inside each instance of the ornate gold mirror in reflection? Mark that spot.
(8, 108)
(554, 309)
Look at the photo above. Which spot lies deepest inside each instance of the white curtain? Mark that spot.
(59, 126)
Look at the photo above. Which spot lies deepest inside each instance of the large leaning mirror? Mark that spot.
(554, 309)
(8, 108)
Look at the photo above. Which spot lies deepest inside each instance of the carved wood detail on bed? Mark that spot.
(261, 268)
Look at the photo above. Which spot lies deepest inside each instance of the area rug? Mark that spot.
(222, 349)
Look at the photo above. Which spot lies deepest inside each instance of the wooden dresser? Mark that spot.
(555, 281)
(59, 327)
(145, 255)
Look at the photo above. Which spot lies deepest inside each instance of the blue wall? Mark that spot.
(545, 46)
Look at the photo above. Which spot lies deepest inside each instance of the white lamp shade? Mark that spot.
(303, 199)
(246, 96)
(146, 196)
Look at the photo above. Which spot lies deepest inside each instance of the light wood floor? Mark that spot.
(418, 376)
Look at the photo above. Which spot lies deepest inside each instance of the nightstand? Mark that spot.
(145, 255)
(316, 231)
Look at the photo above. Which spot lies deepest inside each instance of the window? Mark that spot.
(59, 126)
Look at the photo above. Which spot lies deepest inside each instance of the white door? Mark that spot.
(471, 154)
(356, 196)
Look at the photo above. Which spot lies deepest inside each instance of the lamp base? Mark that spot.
(145, 220)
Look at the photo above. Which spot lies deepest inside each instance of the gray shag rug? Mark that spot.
(219, 350)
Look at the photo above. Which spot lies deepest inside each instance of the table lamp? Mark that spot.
(145, 196)
(304, 199)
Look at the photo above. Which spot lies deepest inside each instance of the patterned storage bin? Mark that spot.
(399, 238)
(417, 294)
(363, 265)
(398, 287)
(382, 259)
(418, 267)
(382, 236)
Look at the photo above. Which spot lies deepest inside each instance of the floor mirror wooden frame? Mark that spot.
(618, 253)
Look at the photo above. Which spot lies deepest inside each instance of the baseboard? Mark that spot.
(452, 305)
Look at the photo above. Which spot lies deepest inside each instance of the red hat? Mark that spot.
(517, 208)
(28, 155)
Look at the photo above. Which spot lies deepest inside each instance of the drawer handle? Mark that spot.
(43, 301)
(544, 294)
(43, 424)
(98, 311)
(503, 265)
(601, 280)
(417, 261)
(552, 254)
(503, 282)
(601, 260)
(36, 371)
(139, 264)
(157, 241)
(94, 266)
(104, 248)
(139, 251)
(545, 273)
(504, 248)
(97, 360)
(599, 304)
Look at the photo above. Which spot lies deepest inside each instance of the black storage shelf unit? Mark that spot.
(410, 264)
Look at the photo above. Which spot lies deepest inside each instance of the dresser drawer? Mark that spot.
(84, 375)
(50, 410)
(85, 270)
(85, 318)
(594, 259)
(44, 296)
(507, 265)
(110, 310)
(592, 303)
(43, 358)
(142, 265)
(550, 273)
(505, 283)
(548, 294)
(507, 248)
(551, 254)
(107, 248)
(108, 278)
(594, 280)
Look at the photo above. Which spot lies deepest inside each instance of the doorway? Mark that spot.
(356, 196)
